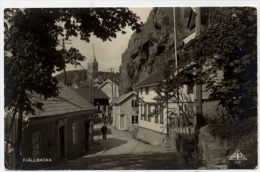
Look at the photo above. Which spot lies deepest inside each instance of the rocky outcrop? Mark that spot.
(154, 45)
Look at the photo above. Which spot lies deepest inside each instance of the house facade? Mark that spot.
(125, 111)
(97, 97)
(110, 88)
(152, 118)
(154, 121)
(62, 130)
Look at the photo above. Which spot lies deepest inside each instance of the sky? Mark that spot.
(108, 53)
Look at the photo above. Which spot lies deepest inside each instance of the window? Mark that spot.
(134, 103)
(156, 114)
(134, 119)
(146, 90)
(74, 132)
(145, 112)
(36, 143)
(141, 90)
(189, 89)
(149, 112)
(161, 116)
(141, 111)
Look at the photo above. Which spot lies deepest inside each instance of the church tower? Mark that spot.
(93, 67)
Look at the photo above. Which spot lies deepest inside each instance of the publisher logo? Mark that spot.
(237, 157)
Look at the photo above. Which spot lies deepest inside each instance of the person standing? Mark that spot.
(104, 131)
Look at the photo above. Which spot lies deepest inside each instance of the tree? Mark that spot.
(227, 44)
(31, 54)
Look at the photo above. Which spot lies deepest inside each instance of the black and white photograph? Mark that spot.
(130, 88)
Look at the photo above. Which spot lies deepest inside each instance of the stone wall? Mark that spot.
(150, 137)
(214, 150)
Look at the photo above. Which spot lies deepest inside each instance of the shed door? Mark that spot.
(122, 121)
(62, 142)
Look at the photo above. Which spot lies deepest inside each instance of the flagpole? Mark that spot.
(198, 85)
(175, 40)
(176, 56)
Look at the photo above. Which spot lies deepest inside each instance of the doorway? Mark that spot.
(62, 142)
(87, 135)
(122, 121)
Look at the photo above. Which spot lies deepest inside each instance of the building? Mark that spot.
(93, 68)
(154, 121)
(152, 127)
(125, 111)
(96, 97)
(110, 87)
(87, 77)
(62, 130)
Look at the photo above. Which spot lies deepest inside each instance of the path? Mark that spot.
(121, 151)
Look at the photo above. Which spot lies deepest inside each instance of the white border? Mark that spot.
(107, 3)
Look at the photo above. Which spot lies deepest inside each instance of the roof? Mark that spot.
(78, 76)
(153, 79)
(86, 93)
(123, 97)
(67, 101)
(106, 82)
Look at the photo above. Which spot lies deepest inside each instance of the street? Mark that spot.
(122, 152)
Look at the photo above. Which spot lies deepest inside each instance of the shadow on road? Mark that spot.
(126, 161)
(112, 143)
(97, 131)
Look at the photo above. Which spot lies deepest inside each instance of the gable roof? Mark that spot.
(86, 93)
(153, 79)
(123, 97)
(66, 102)
(106, 82)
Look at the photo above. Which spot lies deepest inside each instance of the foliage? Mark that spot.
(241, 135)
(31, 55)
(227, 129)
(227, 44)
(31, 40)
(230, 45)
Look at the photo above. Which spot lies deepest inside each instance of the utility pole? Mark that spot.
(176, 56)
(198, 84)
(112, 72)
(64, 70)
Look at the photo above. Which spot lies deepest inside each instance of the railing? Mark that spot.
(182, 123)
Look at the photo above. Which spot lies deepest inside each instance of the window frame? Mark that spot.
(156, 117)
(161, 120)
(36, 151)
(134, 119)
(149, 112)
(74, 129)
(145, 112)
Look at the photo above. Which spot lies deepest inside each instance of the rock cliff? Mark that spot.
(154, 45)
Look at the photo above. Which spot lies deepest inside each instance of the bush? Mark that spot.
(226, 129)
(241, 135)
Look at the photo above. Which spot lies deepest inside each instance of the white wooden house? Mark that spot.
(110, 88)
(125, 111)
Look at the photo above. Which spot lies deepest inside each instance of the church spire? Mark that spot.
(94, 56)
(93, 67)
